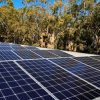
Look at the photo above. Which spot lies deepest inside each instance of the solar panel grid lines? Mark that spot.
(37, 81)
(96, 57)
(96, 61)
(25, 74)
(61, 83)
(7, 88)
(60, 53)
(19, 86)
(37, 54)
(18, 47)
(53, 53)
(86, 63)
(5, 48)
(45, 53)
(8, 55)
(87, 73)
(26, 54)
(17, 55)
(22, 60)
(3, 44)
(76, 75)
(23, 47)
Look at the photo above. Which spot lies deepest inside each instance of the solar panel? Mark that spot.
(11, 44)
(96, 57)
(87, 73)
(89, 61)
(45, 53)
(26, 54)
(53, 74)
(8, 55)
(61, 83)
(60, 53)
(3, 48)
(17, 85)
(4, 44)
(17, 47)
(31, 47)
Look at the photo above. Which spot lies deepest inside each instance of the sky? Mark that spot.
(18, 3)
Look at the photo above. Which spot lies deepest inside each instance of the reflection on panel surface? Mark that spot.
(85, 72)
(89, 61)
(61, 83)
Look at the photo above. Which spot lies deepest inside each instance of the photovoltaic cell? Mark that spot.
(16, 85)
(85, 72)
(5, 48)
(89, 61)
(26, 54)
(45, 53)
(62, 84)
(8, 55)
(60, 53)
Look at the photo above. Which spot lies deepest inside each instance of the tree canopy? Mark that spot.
(75, 26)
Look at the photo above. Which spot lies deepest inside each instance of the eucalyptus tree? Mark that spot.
(71, 23)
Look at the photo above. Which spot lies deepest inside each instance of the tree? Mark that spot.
(74, 26)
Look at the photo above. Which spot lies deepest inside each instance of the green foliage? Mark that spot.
(75, 27)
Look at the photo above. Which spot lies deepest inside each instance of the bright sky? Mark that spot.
(18, 3)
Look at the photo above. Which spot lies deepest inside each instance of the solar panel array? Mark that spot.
(17, 85)
(26, 54)
(28, 73)
(60, 53)
(45, 53)
(8, 55)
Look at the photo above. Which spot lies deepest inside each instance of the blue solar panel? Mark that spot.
(62, 84)
(26, 54)
(18, 47)
(4, 48)
(60, 53)
(96, 57)
(89, 61)
(4, 44)
(45, 54)
(8, 55)
(31, 48)
(17, 85)
(59, 77)
(85, 72)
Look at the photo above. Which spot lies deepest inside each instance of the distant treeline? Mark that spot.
(75, 25)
